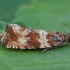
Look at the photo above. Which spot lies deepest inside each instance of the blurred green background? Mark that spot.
(50, 15)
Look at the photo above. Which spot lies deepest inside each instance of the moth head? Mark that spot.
(68, 37)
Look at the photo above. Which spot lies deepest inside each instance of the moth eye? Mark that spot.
(68, 39)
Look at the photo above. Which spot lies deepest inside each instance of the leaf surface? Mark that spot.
(39, 14)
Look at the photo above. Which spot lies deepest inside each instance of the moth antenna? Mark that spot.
(66, 29)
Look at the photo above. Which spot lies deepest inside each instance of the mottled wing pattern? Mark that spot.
(17, 37)
(56, 39)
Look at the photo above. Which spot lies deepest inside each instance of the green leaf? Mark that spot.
(2, 26)
(39, 14)
(44, 14)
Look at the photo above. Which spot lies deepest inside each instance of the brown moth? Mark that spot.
(18, 37)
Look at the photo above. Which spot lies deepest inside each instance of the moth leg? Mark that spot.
(44, 50)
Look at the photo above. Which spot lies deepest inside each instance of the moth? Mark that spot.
(18, 37)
